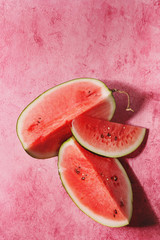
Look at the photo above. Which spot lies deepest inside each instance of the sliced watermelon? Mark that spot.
(45, 123)
(99, 186)
(107, 138)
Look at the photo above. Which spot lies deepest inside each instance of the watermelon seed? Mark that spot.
(83, 178)
(121, 203)
(102, 136)
(108, 134)
(115, 211)
(115, 178)
(102, 174)
(114, 215)
(115, 138)
(124, 127)
(77, 171)
(108, 128)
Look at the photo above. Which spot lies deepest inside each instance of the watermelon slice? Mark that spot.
(45, 123)
(99, 186)
(107, 138)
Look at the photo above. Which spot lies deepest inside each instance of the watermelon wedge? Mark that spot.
(107, 138)
(45, 123)
(99, 186)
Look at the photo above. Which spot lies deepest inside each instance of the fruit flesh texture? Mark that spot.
(107, 138)
(96, 183)
(46, 122)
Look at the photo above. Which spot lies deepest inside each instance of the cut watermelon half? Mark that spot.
(107, 138)
(45, 123)
(99, 186)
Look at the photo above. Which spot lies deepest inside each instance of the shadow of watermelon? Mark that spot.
(143, 214)
(137, 100)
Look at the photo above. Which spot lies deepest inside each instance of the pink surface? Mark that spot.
(43, 43)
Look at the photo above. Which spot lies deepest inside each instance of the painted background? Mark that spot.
(44, 43)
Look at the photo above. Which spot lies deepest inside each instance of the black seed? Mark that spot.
(83, 178)
(121, 204)
(115, 211)
(102, 136)
(114, 215)
(79, 167)
(39, 118)
(115, 138)
(115, 178)
(77, 171)
(89, 92)
(108, 134)
(38, 121)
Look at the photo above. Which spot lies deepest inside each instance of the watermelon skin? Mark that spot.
(46, 122)
(106, 138)
(99, 186)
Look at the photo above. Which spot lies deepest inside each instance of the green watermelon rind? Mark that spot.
(96, 218)
(36, 101)
(113, 154)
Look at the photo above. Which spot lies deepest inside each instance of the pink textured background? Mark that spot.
(43, 43)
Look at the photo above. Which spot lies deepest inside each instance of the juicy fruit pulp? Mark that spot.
(45, 123)
(107, 138)
(99, 186)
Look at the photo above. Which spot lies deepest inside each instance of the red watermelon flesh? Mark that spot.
(45, 123)
(107, 138)
(99, 186)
